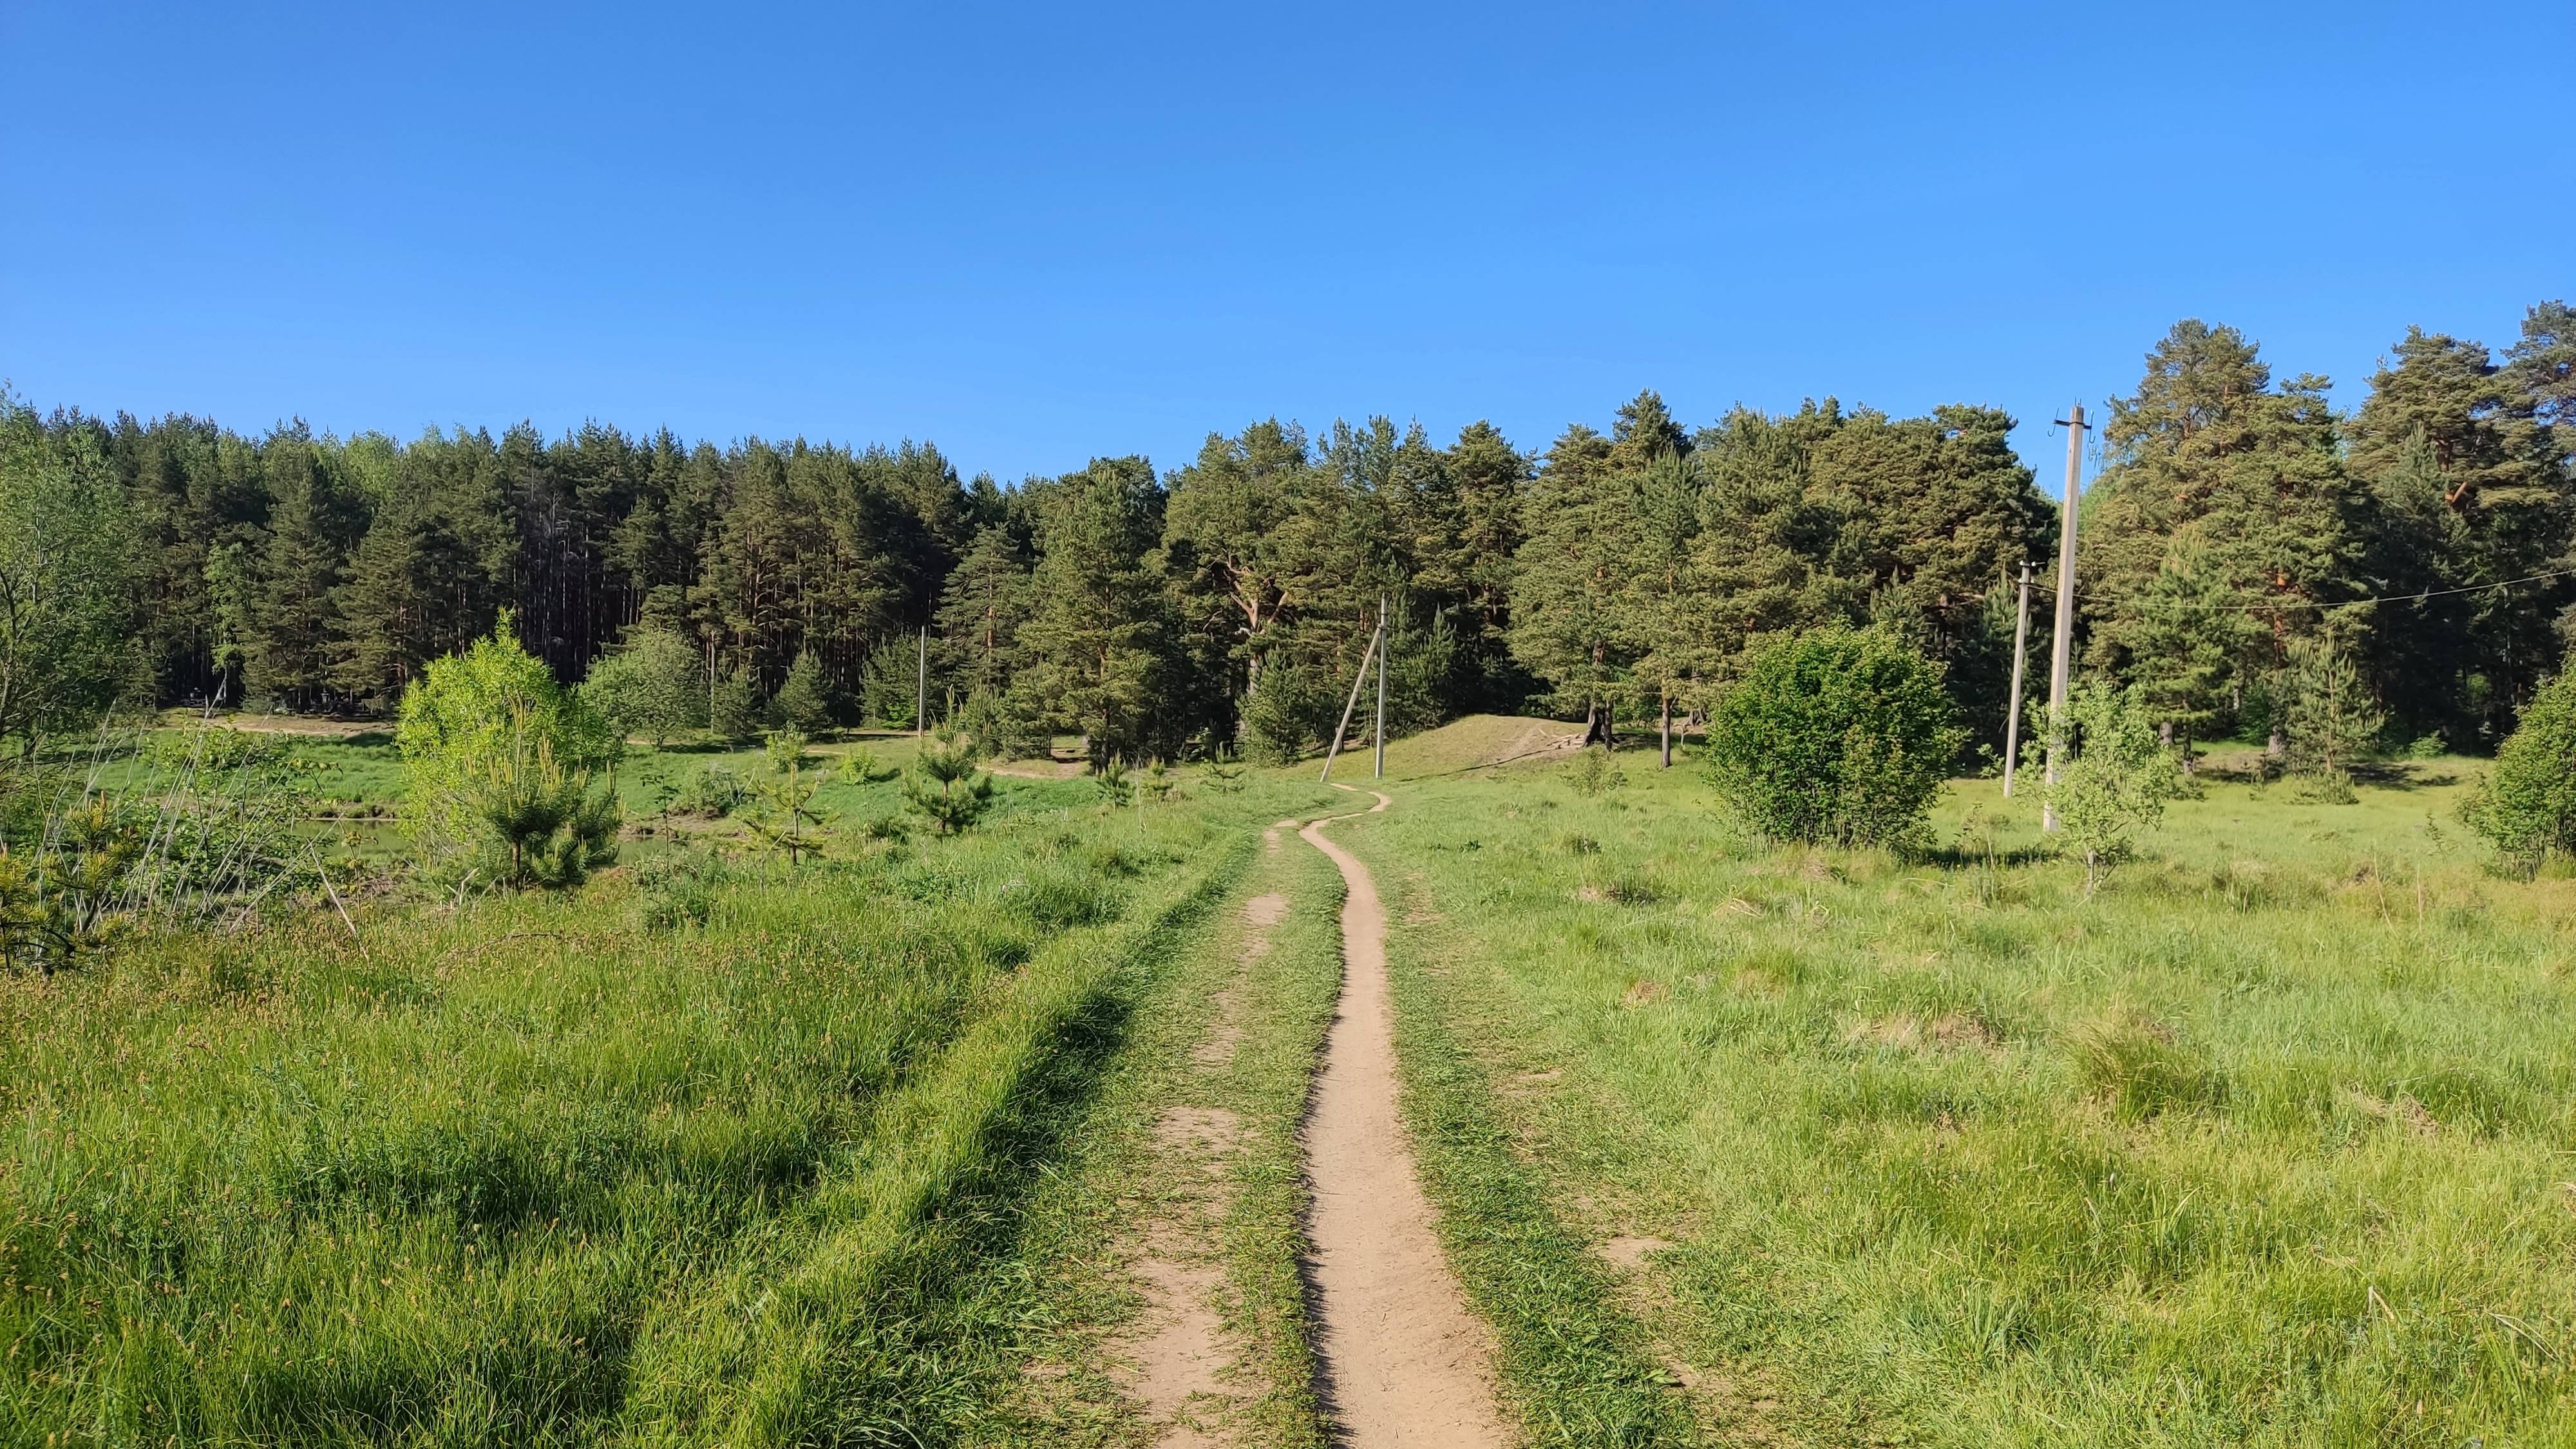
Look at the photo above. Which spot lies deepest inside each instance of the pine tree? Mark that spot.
(1097, 639)
(980, 612)
(2328, 716)
(287, 643)
(2209, 445)
(1566, 606)
(1487, 474)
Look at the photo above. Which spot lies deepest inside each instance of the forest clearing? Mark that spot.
(1224, 927)
(1009, 1138)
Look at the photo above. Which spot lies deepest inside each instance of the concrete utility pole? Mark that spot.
(1381, 687)
(2064, 641)
(921, 701)
(2012, 702)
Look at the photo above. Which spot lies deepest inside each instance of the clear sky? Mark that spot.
(1034, 233)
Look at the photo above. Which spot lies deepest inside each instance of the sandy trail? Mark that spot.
(1404, 1362)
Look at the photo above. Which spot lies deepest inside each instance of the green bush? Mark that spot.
(1837, 735)
(2526, 807)
(2117, 781)
(651, 687)
(511, 778)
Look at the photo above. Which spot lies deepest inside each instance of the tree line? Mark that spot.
(2240, 531)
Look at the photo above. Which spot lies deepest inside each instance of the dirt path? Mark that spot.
(1405, 1363)
(1179, 1362)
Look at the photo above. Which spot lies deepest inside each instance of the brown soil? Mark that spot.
(1404, 1363)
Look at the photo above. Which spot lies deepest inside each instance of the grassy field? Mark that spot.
(2268, 1142)
(529, 1172)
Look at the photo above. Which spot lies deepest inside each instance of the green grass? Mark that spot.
(524, 1173)
(1066, 1289)
(2267, 1142)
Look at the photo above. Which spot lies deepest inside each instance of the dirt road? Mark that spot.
(1406, 1364)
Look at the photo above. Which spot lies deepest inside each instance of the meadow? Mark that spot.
(668, 1160)
(2265, 1142)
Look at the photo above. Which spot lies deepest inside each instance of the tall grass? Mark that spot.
(523, 1172)
(2265, 1143)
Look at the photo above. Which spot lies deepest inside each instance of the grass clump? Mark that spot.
(2141, 1065)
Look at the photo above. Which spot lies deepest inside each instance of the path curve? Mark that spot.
(1405, 1363)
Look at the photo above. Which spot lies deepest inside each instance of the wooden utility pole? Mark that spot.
(921, 701)
(2012, 702)
(2063, 643)
(1344, 728)
(1381, 686)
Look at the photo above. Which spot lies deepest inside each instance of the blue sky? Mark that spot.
(1036, 234)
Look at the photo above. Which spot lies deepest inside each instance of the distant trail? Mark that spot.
(1405, 1362)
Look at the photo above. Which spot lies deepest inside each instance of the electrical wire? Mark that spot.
(2269, 605)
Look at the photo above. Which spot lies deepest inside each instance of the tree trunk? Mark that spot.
(1668, 733)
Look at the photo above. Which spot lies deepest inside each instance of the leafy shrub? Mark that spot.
(2117, 781)
(1594, 773)
(712, 793)
(2526, 807)
(1112, 779)
(650, 687)
(1835, 735)
(511, 779)
(944, 786)
(860, 766)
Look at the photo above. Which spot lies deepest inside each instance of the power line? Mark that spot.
(2423, 596)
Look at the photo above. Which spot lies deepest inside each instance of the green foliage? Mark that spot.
(782, 813)
(713, 792)
(654, 686)
(2115, 781)
(945, 785)
(804, 698)
(64, 900)
(860, 766)
(1110, 777)
(1288, 714)
(1594, 772)
(733, 711)
(2526, 808)
(510, 778)
(1156, 784)
(2140, 1064)
(890, 684)
(67, 581)
(1834, 735)
(2327, 716)
(681, 887)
